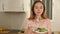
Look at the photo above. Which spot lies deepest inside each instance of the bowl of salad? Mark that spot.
(40, 30)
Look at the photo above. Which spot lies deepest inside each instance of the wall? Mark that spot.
(56, 15)
(27, 7)
(11, 20)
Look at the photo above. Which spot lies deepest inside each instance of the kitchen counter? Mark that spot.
(12, 32)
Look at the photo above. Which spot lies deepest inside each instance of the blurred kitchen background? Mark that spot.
(14, 12)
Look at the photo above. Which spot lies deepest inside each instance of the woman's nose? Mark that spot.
(39, 9)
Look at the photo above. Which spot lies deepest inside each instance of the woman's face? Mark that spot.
(38, 8)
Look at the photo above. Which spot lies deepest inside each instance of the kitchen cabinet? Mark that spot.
(13, 6)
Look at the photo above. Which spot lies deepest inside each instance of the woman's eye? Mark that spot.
(41, 8)
(36, 7)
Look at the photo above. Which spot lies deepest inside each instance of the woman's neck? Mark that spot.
(38, 17)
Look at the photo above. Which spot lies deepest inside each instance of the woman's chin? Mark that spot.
(38, 14)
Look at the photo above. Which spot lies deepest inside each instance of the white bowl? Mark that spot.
(40, 32)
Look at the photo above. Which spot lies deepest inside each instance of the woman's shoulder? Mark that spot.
(47, 20)
(27, 20)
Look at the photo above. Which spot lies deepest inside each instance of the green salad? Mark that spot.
(40, 30)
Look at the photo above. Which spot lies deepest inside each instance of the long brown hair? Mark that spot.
(32, 14)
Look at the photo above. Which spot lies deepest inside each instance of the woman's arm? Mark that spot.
(49, 26)
(27, 27)
(27, 31)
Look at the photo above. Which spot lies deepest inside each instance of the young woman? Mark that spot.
(37, 19)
